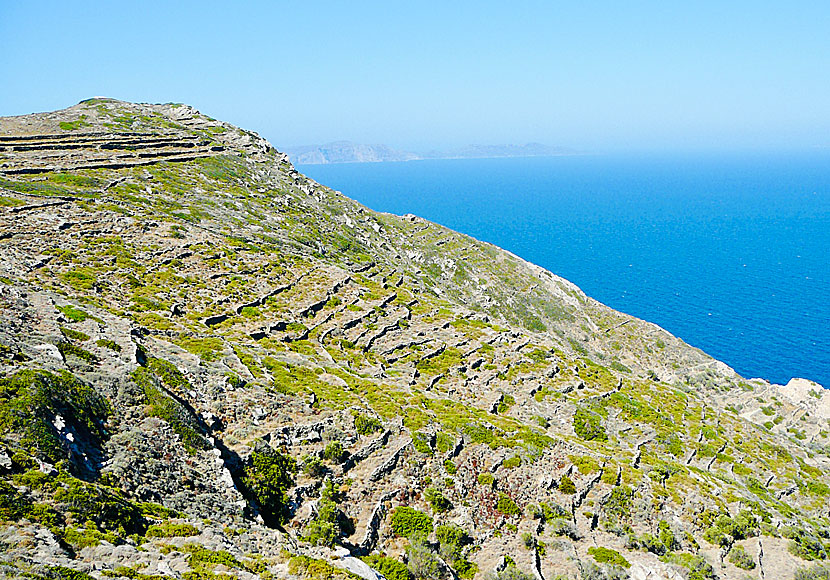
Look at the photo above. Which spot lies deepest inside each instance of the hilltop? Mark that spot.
(215, 367)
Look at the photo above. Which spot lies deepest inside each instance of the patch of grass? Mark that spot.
(67, 349)
(80, 278)
(487, 479)
(740, 558)
(74, 334)
(208, 349)
(107, 343)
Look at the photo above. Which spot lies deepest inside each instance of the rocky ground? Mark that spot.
(215, 367)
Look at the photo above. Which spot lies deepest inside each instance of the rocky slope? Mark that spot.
(214, 367)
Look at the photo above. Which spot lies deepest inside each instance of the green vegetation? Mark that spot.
(366, 425)
(487, 479)
(725, 530)
(73, 125)
(330, 523)
(390, 568)
(162, 405)
(739, 557)
(817, 572)
(335, 452)
(80, 278)
(588, 426)
(208, 349)
(507, 505)
(68, 349)
(171, 530)
(608, 556)
(29, 400)
(409, 522)
(73, 334)
(315, 569)
(110, 344)
(567, 486)
(267, 478)
(437, 500)
(698, 567)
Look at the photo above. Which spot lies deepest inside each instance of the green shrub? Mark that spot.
(81, 278)
(106, 507)
(450, 467)
(804, 544)
(666, 536)
(335, 452)
(367, 425)
(409, 522)
(64, 573)
(437, 500)
(465, 569)
(267, 478)
(73, 314)
(171, 530)
(507, 506)
(739, 557)
(567, 485)
(487, 479)
(313, 467)
(817, 572)
(608, 556)
(587, 425)
(421, 560)
(699, 568)
(30, 398)
(451, 540)
(420, 441)
(618, 505)
(390, 568)
(512, 462)
(315, 569)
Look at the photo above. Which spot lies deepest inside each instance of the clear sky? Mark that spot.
(595, 75)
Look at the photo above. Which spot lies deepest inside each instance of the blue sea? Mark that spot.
(730, 253)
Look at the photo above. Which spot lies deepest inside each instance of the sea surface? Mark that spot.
(730, 253)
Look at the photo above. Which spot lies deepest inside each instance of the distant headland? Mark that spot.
(349, 152)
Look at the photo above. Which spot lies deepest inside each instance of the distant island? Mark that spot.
(349, 152)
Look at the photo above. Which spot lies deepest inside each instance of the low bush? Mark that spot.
(739, 557)
(608, 556)
(171, 530)
(507, 506)
(409, 522)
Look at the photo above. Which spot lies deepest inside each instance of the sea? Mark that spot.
(729, 252)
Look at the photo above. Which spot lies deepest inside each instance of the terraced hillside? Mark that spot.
(215, 367)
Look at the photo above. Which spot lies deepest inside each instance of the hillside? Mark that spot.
(214, 367)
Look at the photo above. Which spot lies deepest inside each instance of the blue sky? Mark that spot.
(591, 75)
